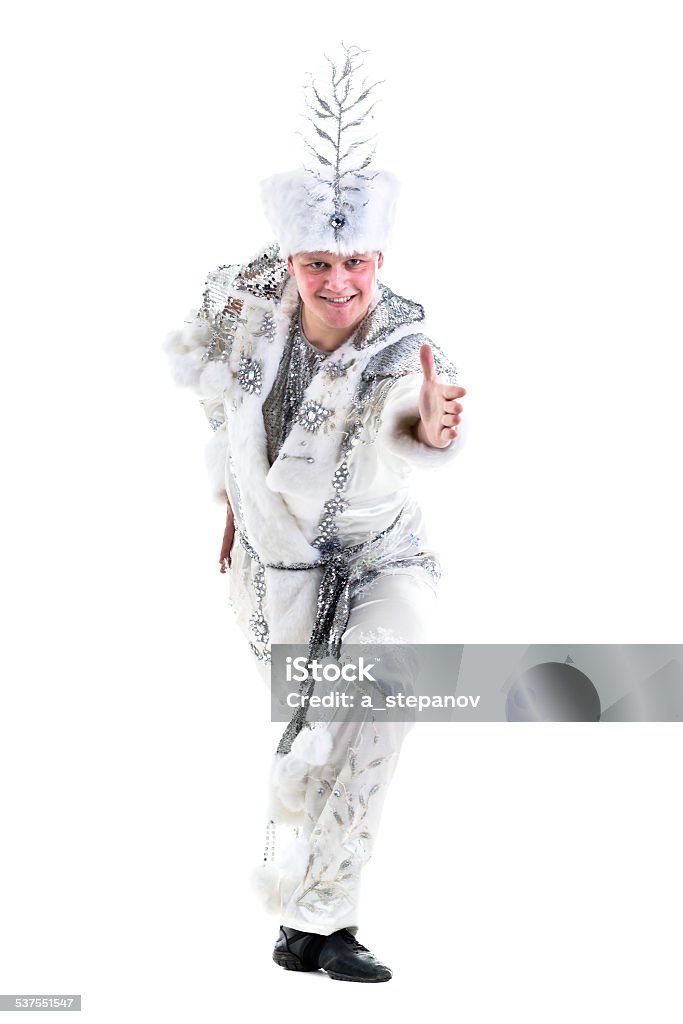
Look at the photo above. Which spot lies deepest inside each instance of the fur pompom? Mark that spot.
(289, 775)
(185, 348)
(289, 781)
(313, 746)
(214, 378)
(283, 815)
(186, 368)
(265, 881)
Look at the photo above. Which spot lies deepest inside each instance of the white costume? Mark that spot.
(314, 450)
(336, 500)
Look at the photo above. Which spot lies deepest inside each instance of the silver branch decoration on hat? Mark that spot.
(335, 114)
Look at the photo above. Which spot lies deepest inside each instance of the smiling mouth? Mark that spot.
(341, 301)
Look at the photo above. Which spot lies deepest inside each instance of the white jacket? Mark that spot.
(342, 475)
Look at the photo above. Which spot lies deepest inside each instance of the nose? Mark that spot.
(337, 278)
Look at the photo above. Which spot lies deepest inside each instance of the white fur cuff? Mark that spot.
(399, 417)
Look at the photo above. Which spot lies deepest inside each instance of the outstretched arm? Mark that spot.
(439, 410)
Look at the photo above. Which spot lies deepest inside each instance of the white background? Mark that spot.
(530, 873)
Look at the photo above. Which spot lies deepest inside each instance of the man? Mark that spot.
(323, 391)
(336, 292)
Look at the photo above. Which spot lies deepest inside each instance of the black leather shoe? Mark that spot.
(298, 951)
(340, 955)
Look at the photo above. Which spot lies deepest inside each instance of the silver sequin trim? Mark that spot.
(299, 363)
(265, 276)
(222, 311)
(391, 311)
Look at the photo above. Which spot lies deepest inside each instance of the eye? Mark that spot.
(356, 262)
(317, 264)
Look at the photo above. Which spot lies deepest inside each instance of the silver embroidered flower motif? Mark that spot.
(259, 627)
(311, 415)
(343, 839)
(414, 540)
(267, 327)
(249, 375)
(335, 369)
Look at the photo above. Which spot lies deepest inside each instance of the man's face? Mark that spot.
(336, 290)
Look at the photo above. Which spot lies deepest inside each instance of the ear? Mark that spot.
(380, 259)
(290, 265)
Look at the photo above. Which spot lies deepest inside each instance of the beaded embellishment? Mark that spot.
(249, 375)
(311, 416)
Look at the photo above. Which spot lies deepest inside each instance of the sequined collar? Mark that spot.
(265, 276)
(390, 312)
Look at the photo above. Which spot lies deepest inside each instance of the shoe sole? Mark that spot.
(346, 977)
(291, 962)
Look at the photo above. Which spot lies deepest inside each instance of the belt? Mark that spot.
(343, 575)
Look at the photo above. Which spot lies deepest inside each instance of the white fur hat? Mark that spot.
(305, 224)
(342, 205)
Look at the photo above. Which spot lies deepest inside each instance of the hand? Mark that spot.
(439, 411)
(228, 538)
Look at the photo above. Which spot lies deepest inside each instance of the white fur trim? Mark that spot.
(215, 378)
(216, 453)
(272, 529)
(294, 597)
(302, 225)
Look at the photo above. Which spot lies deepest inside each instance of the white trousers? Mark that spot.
(338, 772)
